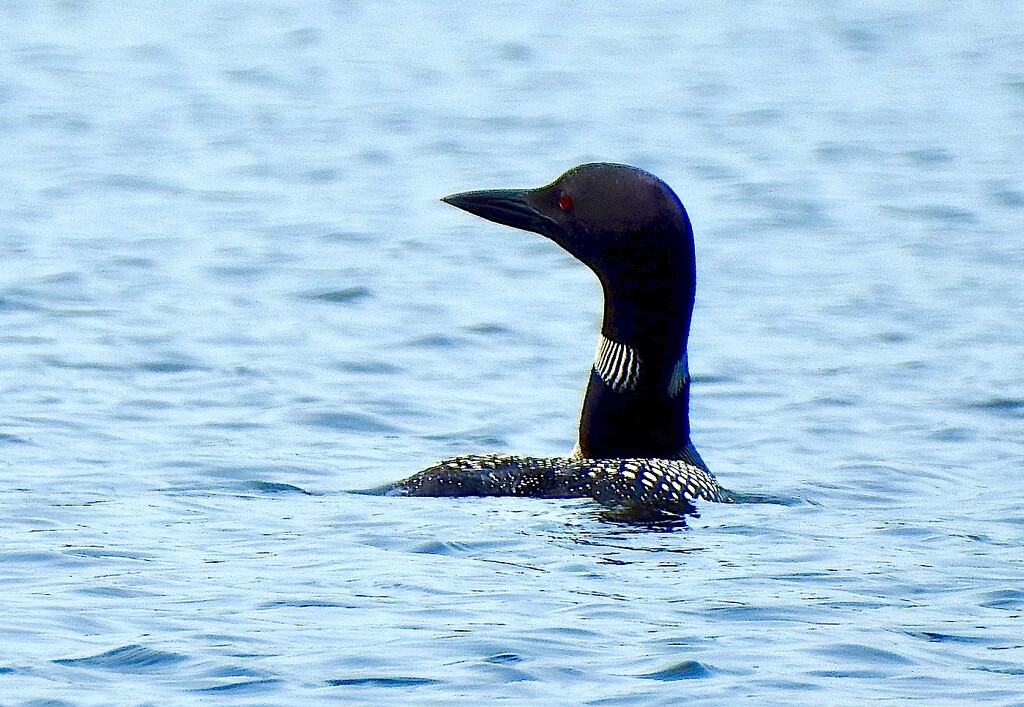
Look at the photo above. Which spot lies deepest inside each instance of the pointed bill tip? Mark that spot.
(466, 200)
(509, 207)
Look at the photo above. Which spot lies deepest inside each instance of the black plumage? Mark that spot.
(634, 443)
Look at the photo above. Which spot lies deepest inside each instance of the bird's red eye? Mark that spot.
(565, 202)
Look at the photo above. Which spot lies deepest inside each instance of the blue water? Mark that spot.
(229, 294)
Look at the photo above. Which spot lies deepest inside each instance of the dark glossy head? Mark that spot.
(609, 216)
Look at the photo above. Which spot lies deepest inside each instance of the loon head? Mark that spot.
(630, 228)
(627, 226)
(620, 221)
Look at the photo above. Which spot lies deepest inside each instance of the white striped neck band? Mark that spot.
(618, 365)
(680, 378)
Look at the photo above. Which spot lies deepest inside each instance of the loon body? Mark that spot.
(634, 445)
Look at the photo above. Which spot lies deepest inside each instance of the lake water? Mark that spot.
(229, 294)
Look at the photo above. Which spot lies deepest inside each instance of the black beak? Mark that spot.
(509, 207)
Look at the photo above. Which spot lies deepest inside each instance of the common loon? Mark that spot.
(634, 447)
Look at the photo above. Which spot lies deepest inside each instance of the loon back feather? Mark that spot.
(661, 484)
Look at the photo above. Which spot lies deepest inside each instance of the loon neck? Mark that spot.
(637, 400)
(650, 317)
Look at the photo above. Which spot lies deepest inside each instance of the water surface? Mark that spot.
(229, 294)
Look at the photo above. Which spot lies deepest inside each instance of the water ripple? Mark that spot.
(348, 295)
(386, 682)
(684, 670)
(129, 659)
(350, 422)
(240, 686)
(1008, 407)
